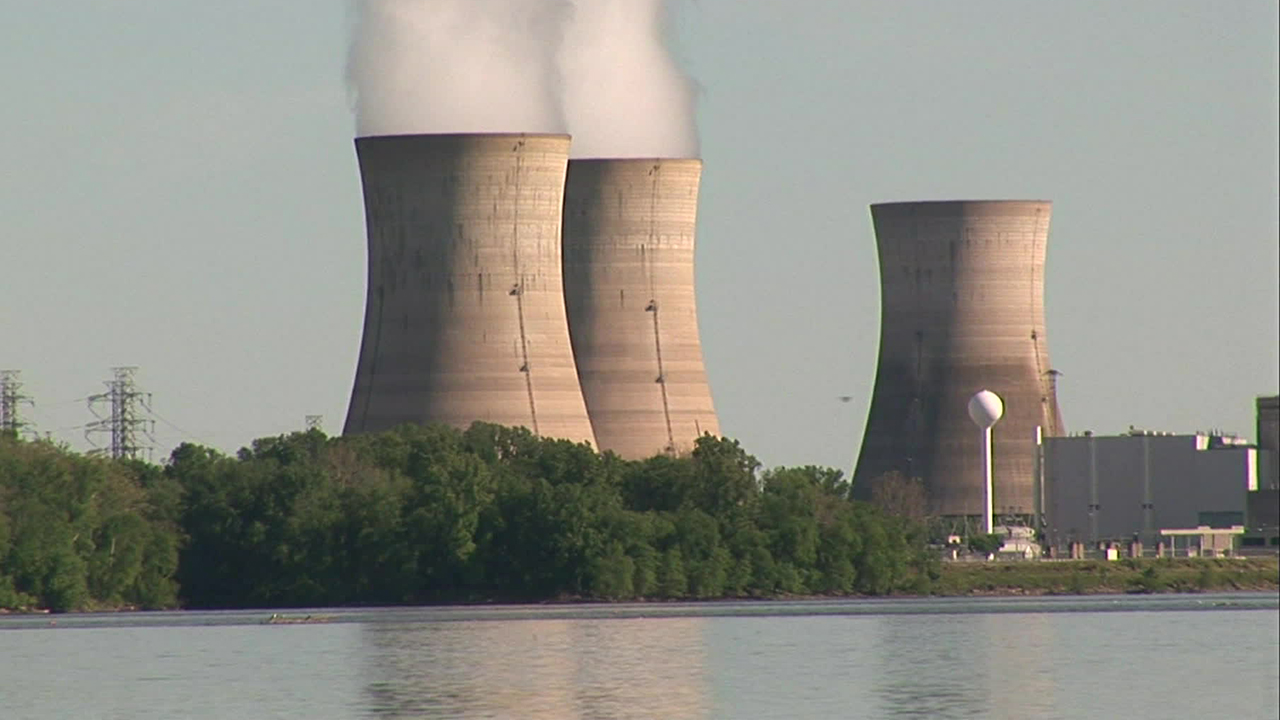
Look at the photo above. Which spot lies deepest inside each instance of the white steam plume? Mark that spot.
(624, 94)
(442, 66)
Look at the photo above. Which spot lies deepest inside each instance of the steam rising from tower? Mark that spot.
(450, 66)
(598, 69)
(624, 94)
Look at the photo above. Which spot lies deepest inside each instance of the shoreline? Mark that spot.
(978, 579)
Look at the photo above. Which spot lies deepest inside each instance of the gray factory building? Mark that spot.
(1268, 418)
(1262, 516)
(629, 228)
(464, 315)
(962, 310)
(1116, 488)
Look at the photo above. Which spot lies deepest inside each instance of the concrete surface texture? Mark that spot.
(962, 288)
(629, 229)
(465, 316)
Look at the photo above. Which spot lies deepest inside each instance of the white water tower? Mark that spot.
(986, 409)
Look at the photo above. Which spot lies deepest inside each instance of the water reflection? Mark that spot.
(988, 666)
(1020, 679)
(563, 669)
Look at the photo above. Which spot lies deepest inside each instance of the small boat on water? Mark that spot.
(278, 619)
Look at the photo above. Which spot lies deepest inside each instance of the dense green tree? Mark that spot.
(985, 544)
(433, 514)
(724, 479)
(672, 581)
(79, 532)
(613, 574)
(659, 484)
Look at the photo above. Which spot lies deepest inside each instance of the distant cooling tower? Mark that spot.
(628, 274)
(465, 315)
(962, 288)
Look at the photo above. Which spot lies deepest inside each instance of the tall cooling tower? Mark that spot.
(465, 315)
(628, 274)
(962, 289)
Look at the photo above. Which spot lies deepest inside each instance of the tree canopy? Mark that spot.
(433, 514)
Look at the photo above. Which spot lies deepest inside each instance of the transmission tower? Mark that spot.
(11, 398)
(315, 422)
(125, 418)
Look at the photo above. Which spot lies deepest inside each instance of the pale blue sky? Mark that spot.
(180, 193)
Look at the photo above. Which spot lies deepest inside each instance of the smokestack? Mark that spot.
(629, 228)
(962, 309)
(465, 314)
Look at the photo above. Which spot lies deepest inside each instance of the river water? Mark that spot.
(1164, 656)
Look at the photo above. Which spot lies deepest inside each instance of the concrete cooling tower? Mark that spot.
(629, 287)
(962, 288)
(465, 315)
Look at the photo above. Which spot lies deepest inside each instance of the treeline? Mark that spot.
(79, 532)
(433, 514)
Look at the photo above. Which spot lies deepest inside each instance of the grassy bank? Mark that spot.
(1081, 577)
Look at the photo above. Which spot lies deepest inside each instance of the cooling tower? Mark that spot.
(628, 274)
(962, 288)
(464, 318)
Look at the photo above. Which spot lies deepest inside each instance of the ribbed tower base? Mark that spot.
(629, 229)
(465, 316)
(962, 310)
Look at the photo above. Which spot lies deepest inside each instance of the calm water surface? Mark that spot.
(1100, 657)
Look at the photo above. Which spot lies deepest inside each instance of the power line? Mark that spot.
(186, 434)
(126, 418)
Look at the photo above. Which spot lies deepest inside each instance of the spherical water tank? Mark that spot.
(986, 408)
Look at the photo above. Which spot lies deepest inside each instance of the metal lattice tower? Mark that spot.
(11, 398)
(125, 419)
(315, 422)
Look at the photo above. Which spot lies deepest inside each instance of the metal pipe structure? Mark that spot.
(465, 316)
(629, 229)
(962, 309)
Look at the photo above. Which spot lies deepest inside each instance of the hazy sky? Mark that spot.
(180, 193)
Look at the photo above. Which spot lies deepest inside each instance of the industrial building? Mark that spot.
(629, 231)
(1268, 419)
(1132, 486)
(465, 315)
(1262, 507)
(962, 309)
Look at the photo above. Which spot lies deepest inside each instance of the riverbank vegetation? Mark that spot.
(1132, 575)
(433, 514)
